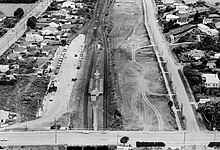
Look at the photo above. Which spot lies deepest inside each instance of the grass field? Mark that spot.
(9, 9)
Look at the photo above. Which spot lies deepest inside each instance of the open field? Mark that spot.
(143, 94)
(8, 9)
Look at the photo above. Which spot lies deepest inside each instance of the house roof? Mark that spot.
(13, 56)
(53, 24)
(214, 16)
(211, 78)
(217, 24)
(170, 16)
(49, 29)
(69, 4)
(43, 20)
(4, 115)
(20, 49)
(196, 53)
(4, 68)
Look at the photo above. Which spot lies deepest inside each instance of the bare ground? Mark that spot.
(141, 85)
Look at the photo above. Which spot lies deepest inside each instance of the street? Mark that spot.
(172, 139)
(162, 47)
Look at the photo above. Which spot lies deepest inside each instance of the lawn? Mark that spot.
(9, 9)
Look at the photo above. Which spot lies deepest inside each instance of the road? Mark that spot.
(60, 102)
(15, 33)
(161, 45)
(172, 139)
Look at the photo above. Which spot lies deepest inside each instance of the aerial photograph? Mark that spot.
(109, 74)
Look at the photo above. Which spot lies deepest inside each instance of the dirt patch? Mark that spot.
(138, 75)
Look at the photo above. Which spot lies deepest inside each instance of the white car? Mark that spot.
(85, 132)
(3, 139)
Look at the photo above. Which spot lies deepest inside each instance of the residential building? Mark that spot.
(33, 37)
(3, 116)
(196, 54)
(171, 17)
(206, 20)
(4, 68)
(207, 30)
(211, 80)
(14, 56)
(69, 4)
(49, 31)
(53, 24)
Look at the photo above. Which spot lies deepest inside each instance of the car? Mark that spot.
(85, 132)
(74, 78)
(3, 139)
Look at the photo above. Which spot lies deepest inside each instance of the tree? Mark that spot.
(170, 104)
(31, 22)
(19, 13)
(9, 23)
(217, 3)
(124, 140)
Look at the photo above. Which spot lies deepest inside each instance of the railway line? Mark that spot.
(96, 26)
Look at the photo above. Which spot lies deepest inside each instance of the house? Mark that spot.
(168, 2)
(207, 30)
(214, 16)
(217, 56)
(62, 12)
(4, 68)
(33, 37)
(206, 20)
(3, 116)
(211, 64)
(14, 56)
(217, 25)
(211, 80)
(171, 17)
(69, 4)
(49, 31)
(196, 54)
(20, 50)
(53, 24)
(203, 100)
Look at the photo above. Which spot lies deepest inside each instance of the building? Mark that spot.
(49, 31)
(211, 80)
(33, 37)
(171, 17)
(4, 68)
(3, 116)
(196, 54)
(69, 4)
(207, 30)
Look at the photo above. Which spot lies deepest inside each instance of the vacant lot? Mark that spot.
(143, 95)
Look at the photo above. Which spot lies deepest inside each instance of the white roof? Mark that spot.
(202, 26)
(217, 24)
(4, 115)
(201, 100)
(211, 78)
(168, 1)
(4, 68)
(172, 16)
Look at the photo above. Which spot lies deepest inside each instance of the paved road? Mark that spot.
(58, 106)
(15, 33)
(162, 47)
(113, 137)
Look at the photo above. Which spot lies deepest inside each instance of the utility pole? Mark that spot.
(55, 136)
